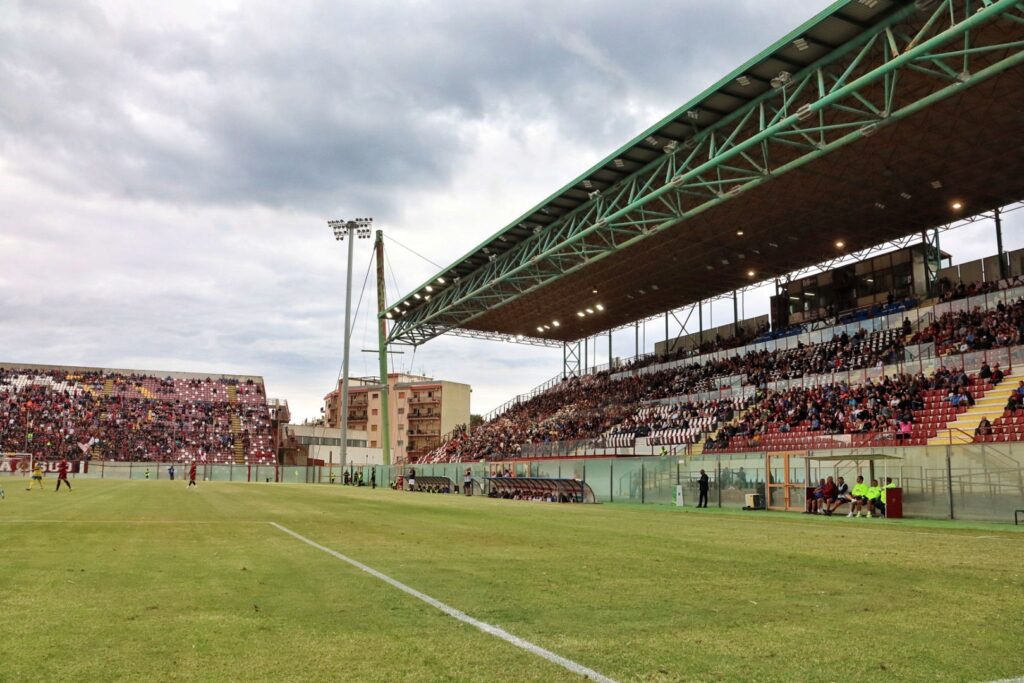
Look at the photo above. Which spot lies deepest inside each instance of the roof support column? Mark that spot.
(932, 260)
(735, 313)
(1003, 270)
(700, 321)
(636, 333)
(570, 359)
(609, 349)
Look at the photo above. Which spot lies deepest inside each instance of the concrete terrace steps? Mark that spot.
(237, 446)
(961, 430)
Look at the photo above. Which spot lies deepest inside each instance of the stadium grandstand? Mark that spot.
(860, 137)
(135, 415)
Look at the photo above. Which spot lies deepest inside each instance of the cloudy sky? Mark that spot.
(166, 169)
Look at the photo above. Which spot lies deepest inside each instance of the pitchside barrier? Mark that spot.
(980, 482)
(22, 463)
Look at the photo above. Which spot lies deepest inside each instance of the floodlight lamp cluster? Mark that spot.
(359, 227)
(782, 80)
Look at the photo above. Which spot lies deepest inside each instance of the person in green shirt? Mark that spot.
(889, 484)
(860, 498)
(875, 499)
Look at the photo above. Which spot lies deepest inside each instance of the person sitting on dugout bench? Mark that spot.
(842, 496)
(858, 498)
(879, 504)
(829, 495)
(814, 501)
(874, 496)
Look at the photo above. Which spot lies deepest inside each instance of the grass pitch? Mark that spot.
(146, 580)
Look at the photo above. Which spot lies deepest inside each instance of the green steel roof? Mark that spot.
(825, 31)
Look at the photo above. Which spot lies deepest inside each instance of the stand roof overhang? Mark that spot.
(868, 123)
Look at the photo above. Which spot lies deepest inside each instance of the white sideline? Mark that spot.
(461, 616)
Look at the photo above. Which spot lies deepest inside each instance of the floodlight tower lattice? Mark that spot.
(358, 228)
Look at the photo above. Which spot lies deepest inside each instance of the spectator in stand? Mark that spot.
(997, 376)
(985, 372)
(984, 428)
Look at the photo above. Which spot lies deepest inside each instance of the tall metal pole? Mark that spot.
(348, 338)
(382, 347)
(347, 230)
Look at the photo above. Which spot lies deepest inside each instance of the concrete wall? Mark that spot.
(454, 405)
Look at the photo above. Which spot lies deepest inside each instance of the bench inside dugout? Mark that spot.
(530, 488)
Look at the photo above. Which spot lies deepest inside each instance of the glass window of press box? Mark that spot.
(329, 441)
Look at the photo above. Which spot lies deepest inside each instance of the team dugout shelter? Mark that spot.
(875, 121)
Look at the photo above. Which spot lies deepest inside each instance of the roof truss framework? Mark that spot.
(882, 75)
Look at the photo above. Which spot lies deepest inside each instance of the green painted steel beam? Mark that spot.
(583, 237)
(680, 113)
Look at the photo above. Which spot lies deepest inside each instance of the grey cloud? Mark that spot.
(341, 104)
(172, 177)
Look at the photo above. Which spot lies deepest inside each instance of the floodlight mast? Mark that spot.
(360, 227)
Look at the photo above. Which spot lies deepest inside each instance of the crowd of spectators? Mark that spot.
(830, 409)
(886, 405)
(683, 416)
(597, 404)
(116, 416)
(975, 330)
(965, 290)
(587, 407)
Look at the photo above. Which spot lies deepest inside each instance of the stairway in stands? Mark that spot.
(989, 402)
(236, 432)
(236, 427)
(108, 387)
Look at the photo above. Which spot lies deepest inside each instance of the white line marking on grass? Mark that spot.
(959, 536)
(1019, 679)
(461, 616)
(132, 521)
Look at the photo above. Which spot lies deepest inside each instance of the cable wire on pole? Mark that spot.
(398, 290)
(358, 304)
(414, 252)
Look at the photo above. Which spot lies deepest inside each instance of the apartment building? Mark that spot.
(422, 411)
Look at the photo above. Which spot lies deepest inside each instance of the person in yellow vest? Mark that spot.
(875, 499)
(37, 476)
(889, 484)
(859, 498)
